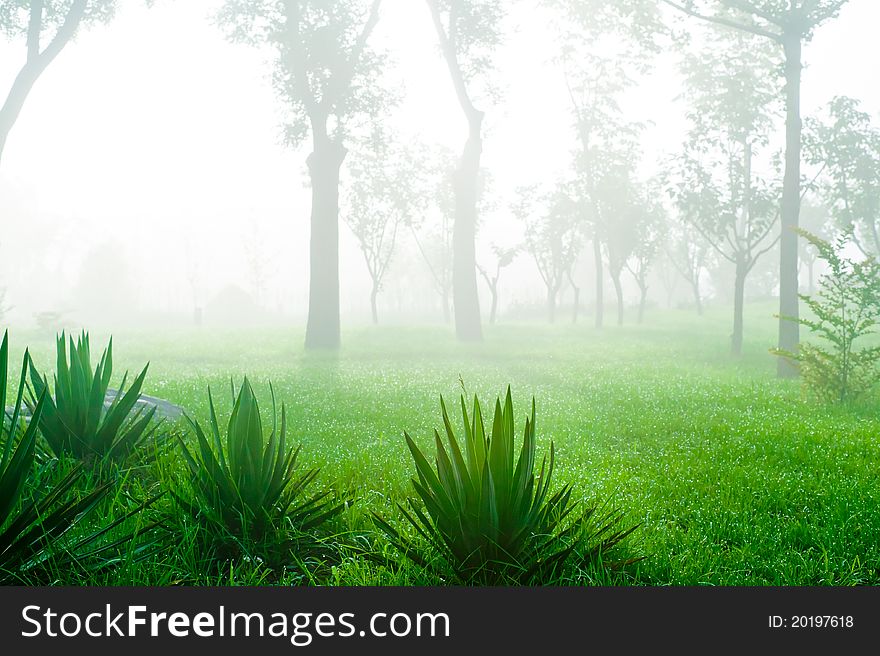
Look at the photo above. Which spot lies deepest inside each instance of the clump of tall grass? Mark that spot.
(36, 520)
(490, 515)
(76, 422)
(246, 488)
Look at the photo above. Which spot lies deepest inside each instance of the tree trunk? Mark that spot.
(373, 294)
(322, 329)
(576, 303)
(789, 333)
(551, 305)
(600, 289)
(643, 300)
(736, 339)
(465, 299)
(447, 315)
(695, 285)
(494, 310)
(618, 290)
(11, 109)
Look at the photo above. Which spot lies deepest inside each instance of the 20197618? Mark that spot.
(811, 622)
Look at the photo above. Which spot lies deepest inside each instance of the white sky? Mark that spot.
(156, 133)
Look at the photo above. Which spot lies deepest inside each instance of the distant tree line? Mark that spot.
(749, 174)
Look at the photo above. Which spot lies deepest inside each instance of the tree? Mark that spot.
(553, 233)
(328, 77)
(592, 90)
(666, 271)
(718, 192)
(384, 196)
(47, 26)
(503, 258)
(468, 31)
(845, 310)
(618, 206)
(434, 239)
(789, 24)
(689, 255)
(594, 83)
(649, 220)
(846, 147)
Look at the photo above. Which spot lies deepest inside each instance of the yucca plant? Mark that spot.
(246, 486)
(33, 528)
(488, 513)
(76, 422)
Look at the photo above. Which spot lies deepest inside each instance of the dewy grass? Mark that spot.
(733, 477)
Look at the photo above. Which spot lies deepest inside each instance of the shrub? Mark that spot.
(76, 422)
(34, 528)
(248, 487)
(488, 514)
(845, 309)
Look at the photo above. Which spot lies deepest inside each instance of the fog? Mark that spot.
(147, 176)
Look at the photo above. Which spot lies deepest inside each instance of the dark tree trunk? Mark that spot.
(373, 294)
(322, 329)
(618, 290)
(789, 333)
(736, 339)
(600, 288)
(465, 298)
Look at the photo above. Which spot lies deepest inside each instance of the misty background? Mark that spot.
(146, 176)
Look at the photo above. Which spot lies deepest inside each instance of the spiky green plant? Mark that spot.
(488, 513)
(76, 422)
(34, 527)
(248, 487)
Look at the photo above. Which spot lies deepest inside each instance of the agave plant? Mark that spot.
(487, 513)
(33, 528)
(76, 422)
(248, 486)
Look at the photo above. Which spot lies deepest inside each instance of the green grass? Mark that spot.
(734, 478)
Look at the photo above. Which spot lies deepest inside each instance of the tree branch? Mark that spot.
(35, 27)
(749, 8)
(455, 72)
(342, 80)
(296, 60)
(719, 20)
(65, 33)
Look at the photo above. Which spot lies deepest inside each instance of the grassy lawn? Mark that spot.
(732, 476)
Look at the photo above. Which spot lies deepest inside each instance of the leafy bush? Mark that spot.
(34, 528)
(248, 487)
(486, 513)
(75, 422)
(845, 309)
